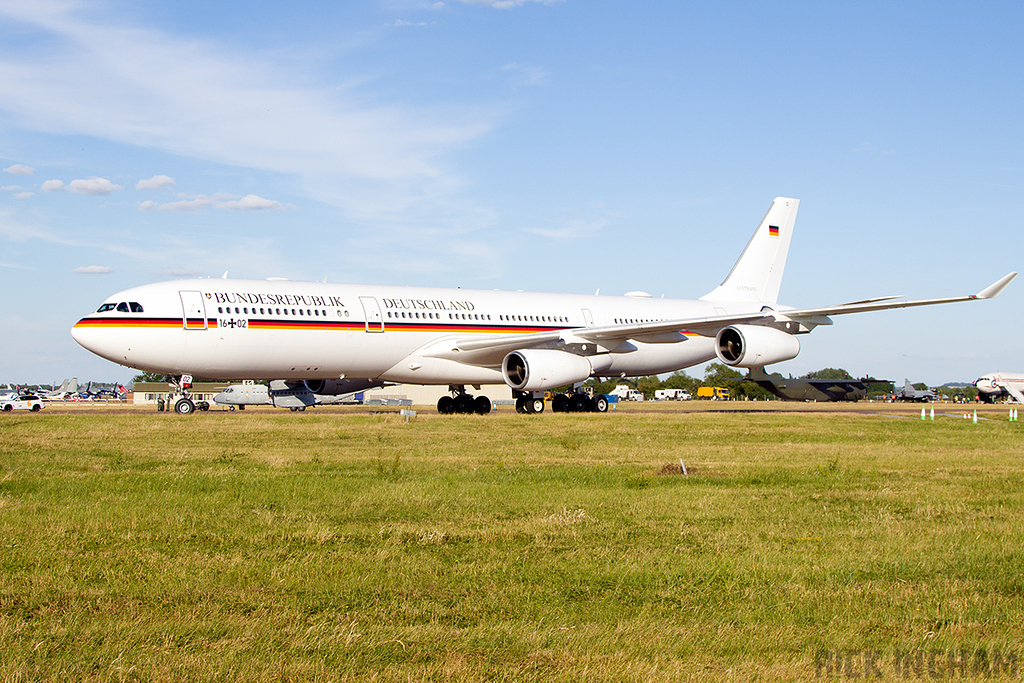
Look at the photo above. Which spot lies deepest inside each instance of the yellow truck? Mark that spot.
(713, 393)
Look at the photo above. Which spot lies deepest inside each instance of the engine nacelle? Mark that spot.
(337, 387)
(748, 346)
(539, 369)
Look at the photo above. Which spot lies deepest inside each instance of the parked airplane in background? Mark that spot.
(296, 396)
(67, 389)
(909, 393)
(811, 389)
(997, 384)
(319, 335)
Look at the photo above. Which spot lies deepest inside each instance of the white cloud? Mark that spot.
(251, 202)
(24, 195)
(93, 270)
(94, 186)
(194, 99)
(224, 202)
(15, 266)
(53, 185)
(19, 169)
(506, 4)
(12, 188)
(157, 182)
(526, 75)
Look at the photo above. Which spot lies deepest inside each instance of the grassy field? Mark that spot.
(339, 545)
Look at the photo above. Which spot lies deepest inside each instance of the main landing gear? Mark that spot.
(528, 403)
(579, 402)
(462, 403)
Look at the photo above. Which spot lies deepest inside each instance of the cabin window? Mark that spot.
(220, 309)
(122, 307)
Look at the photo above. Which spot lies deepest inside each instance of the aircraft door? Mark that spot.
(193, 310)
(374, 320)
(588, 317)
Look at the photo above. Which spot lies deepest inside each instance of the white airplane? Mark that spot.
(295, 396)
(997, 384)
(323, 335)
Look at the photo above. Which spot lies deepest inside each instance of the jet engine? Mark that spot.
(336, 387)
(748, 346)
(539, 369)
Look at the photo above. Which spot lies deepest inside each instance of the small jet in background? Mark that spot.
(998, 384)
(909, 393)
(291, 395)
(811, 389)
(67, 389)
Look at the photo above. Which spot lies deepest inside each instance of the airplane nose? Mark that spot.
(93, 338)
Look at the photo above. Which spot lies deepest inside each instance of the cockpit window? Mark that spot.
(135, 306)
(122, 307)
(106, 307)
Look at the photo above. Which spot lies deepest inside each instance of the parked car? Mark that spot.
(22, 402)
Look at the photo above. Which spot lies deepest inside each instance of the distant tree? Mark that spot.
(149, 377)
(715, 375)
(648, 385)
(829, 373)
(680, 380)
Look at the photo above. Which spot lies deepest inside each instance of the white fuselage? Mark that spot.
(254, 329)
(997, 384)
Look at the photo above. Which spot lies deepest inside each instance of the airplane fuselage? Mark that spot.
(254, 329)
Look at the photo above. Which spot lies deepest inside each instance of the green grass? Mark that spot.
(342, 546)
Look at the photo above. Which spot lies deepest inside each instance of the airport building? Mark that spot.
(148, 393)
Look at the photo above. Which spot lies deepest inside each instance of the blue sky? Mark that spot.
(551, 146)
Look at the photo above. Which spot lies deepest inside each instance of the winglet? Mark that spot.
(992, 291)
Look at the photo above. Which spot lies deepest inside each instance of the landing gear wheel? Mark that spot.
(463, 404)
(184, 406)
(578, 403)
(601, 404)
(446, 405)
(520, 405)
(482, 405)
(535, 406)
(560, 404)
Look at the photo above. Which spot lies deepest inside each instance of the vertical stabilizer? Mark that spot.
(757, 275)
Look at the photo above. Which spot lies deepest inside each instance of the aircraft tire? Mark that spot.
(481, 405)
(446, 405)
(463, 404)
(535, 405)
(521, 405)
(560, 404)
(600, 404)
(578, 403)
(184, 406)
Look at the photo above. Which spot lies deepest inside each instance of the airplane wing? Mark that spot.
(885, 303)
(489, 351)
